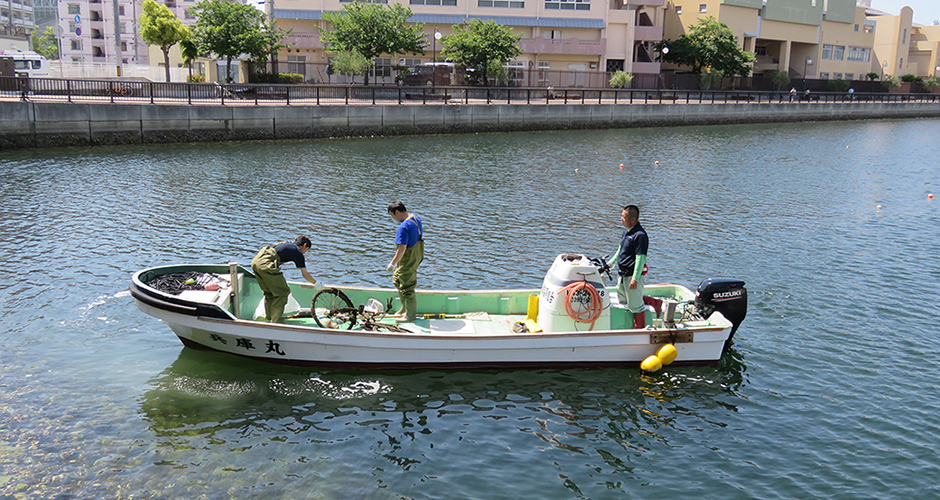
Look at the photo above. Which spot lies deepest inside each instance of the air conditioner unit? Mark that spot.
(401, 61)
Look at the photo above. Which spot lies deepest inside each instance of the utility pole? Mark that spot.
(117, 38)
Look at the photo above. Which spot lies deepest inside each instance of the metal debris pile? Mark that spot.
(176, 283)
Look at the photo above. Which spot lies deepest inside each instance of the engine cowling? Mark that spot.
(725, 295)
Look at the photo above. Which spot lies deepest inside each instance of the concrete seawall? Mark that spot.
(41, 124)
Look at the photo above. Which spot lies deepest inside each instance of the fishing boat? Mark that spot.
(573, 320)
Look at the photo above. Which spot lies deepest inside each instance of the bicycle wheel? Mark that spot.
(331, 308)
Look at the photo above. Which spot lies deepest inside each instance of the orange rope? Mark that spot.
(593, 312)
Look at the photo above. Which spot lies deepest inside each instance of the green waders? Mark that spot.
(267, 268)
(405, 279)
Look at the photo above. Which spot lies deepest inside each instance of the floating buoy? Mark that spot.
(667, 354)
(577, 170)
(930, 196)
(657, 162)
(878, 207)
(621, 166)
(846, 147)
(651, 364)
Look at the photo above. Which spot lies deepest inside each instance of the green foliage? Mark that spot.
(482, 45)
(229, 29)
(351, 63)
(711, 79)
(709, 46)
(909, 78)
(45, 43)
(892, 82)
(932, 83)
(620, 79)
(371, 30)
(196, 78)
(838, 85)
(872, 76)
(160, 27)
(780, 78)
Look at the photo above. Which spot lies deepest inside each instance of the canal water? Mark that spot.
(829, 390)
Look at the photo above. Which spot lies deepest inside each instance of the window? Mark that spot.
(678, 9)
(410, 61)
(850, 76)
(856, 28)
(548, 65)
(760, 50)
(838, 52)
(187, 14)
(120, 10)
(123, 46)
(364, 1)
(827, 52)
(837, 76)
(901, 63)
(383, 66)
(703, 7)
(552, 34)
(904, 37)
(76, 45)
(74, 9)
(297, 64)
(861, 54)
(446, 3)
(568, 4)
(869, 29)
(824, 76)
(502, 4)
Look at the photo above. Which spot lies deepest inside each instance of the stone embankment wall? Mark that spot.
(38, 124)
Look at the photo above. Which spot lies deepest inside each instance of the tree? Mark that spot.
(45, 43)
(780, 78)
(710, 47)
(371, 29)
(351, 63)
(190, 53)
(229, 30)
(160, 27)
(481, 45)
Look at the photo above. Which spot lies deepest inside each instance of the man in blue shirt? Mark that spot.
(267, 268)
(409, 252)
(630, 261)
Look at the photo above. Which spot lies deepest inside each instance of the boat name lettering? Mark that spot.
(729, 294)
(547, 294)
(274, 347)
(243, 342)
(218, 338)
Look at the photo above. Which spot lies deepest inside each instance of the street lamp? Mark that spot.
(663, 52)
(437, 36)
(807, 62)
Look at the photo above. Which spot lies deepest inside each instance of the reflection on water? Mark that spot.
(414, 422)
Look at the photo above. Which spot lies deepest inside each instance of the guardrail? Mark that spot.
(127, 91)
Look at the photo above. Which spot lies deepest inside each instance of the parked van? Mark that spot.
(432, 74)
(28, 64)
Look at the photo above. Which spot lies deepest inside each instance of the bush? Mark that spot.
(277, 78)
(196, 78)
(621, 79)
(911, 79)
(872, 76)
(839, 85)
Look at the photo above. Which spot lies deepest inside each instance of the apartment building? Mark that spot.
(17, 19)
(88, 30)
(575, 36)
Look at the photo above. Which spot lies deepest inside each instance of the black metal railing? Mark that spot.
(129, 91)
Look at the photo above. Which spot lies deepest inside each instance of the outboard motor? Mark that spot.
(725, 295)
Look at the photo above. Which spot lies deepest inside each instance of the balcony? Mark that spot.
(651, 33)
(303, 41)
(625, 4)
(571, 46)
(651, 68)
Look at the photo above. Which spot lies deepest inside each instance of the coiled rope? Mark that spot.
(590, 314)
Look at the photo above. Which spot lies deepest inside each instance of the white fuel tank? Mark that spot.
(586, 304)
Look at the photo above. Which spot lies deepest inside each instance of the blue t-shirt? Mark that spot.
(634, 242)
(409, 232)
(289, 252)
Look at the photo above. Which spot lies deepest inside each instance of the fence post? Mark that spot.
(318, 94)
(399, 95)
(373, 96)
(68, 89)
(287, 93)
(151, 92)
(189, 93)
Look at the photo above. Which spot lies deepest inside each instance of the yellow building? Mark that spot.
(574, 37)
(905, 48)
(806, 38)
